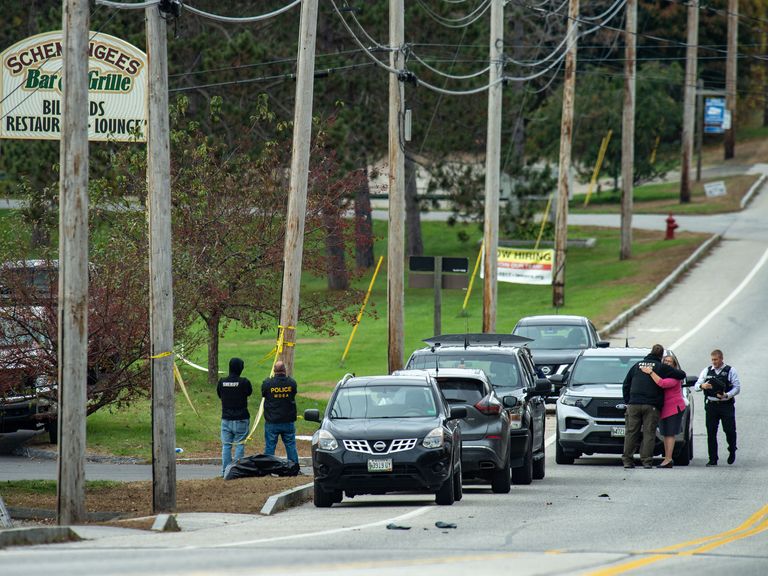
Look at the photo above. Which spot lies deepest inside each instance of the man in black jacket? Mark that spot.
(235, 419)
(279, 394)
(644, 400)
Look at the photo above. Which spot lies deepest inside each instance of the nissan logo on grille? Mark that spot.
(546, 369)
(379, 446)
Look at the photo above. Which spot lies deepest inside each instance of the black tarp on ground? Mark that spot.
(261, 465)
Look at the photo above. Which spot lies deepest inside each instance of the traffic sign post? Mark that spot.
(438, 272)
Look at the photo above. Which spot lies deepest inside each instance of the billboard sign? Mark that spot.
(714, 115)
(524, 265)
(31, 85)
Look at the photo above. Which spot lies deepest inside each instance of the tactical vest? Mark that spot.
(723, 377)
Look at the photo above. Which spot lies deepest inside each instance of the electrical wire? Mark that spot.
(128, 5)
(462, 22)
(286, 76)
(240, 20)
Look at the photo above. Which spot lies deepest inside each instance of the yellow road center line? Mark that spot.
(753, 525)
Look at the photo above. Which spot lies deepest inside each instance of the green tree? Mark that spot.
(598, 109)
(228, 214)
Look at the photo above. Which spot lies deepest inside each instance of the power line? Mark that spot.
(285, 76)
(462, 22)
(240, 20)
(259, 64)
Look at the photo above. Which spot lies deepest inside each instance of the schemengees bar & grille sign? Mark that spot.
(31, 84)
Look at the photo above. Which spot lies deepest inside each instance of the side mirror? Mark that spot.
(603, 344)
(312, 415)
(558, 381)
(543, 387)
(509, 401)
(690, 381)
(458, 412)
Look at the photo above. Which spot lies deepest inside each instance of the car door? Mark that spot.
(536, 403)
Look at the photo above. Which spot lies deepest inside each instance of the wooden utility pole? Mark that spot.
(438, 278)
(730, 77)
(566, 138)
(628, 130)
(396, 234)
(699, 126)
(73, 265)
(160, 280)
(297, 200)
(493, 167)
(689, 101)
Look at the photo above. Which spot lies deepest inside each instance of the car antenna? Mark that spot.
(626, 335)
(437, 365)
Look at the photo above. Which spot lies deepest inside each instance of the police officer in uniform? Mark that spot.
(279, 394)
(235, 419)
(720, 384)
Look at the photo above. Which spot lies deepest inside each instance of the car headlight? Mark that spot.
(324, 440)
(578, 401)
(434, 439)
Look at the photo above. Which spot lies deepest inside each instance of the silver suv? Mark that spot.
(590, 410)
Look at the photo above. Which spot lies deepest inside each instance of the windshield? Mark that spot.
(387, 401)
(555, 337)
(501, 369)
(602, 370)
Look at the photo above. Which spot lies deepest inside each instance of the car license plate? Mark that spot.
(618, 431)
(380, 465)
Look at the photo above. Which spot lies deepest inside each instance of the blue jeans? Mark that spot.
(285, 429)
(232, 432)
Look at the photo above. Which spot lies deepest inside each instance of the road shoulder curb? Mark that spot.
(288, 499)
(754, 189)
(37, 535)
(622, 319)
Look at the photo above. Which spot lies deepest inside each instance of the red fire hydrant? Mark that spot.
(671, 225)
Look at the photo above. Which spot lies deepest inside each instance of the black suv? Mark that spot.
(558, 340)
(510, 369)
(387, 434)
(485, 431)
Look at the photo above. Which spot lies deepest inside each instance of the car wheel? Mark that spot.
(53, 431)
(539, 465)
(683, 457)
(445, 496)
(458, 485)
(561, 456)
(501, 481)
(338, 496)
(524, 473)
(322, 498)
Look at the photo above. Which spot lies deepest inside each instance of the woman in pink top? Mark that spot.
(671, 422)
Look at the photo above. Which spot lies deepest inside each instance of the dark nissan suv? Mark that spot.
(558, 340)
(509, 367)
(387, 434)
(485, 433)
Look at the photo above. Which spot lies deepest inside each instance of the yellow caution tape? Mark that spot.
(255, 423)
(177, 374)
(161, 355)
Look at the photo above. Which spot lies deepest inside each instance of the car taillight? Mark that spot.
(488, 405)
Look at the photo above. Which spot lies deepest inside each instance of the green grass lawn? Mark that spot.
(598, 285)
(664, 198)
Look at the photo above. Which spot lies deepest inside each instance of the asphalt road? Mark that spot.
(592, 518)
